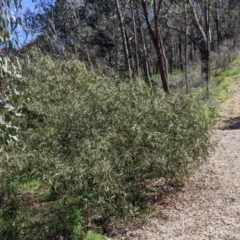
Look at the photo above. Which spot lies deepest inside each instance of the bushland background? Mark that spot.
(107, 97)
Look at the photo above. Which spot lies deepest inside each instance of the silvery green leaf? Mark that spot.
(16, 92)
(2, 120)
(9, 107)
(18, 76)
(14, 137)
(18, 114)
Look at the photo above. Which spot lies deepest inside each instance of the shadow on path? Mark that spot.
(231, 124)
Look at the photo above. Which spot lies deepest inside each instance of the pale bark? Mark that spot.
(205, 40)
(135, 37)
(124, 40)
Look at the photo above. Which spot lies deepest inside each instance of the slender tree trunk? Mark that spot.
(88, 58)
(144, 51)
(216, 19)
(207, 22)
(156, 37)
(186, 49)
(171, 58)
(205, 43)
(180, 52)
(145, 59)
(135, 37)
(124, 40)
(130, 56)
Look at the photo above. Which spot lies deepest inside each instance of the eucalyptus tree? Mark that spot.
(193, 19)
(201, 22)
(75, 27)
(204, 13)
(9, 71)
(153, 12)
(232, 20)
(136, 37)
(225, 15)
(83, 28)
(121, 13)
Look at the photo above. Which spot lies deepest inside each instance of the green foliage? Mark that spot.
(223, 77)
(75, 221)
(93, 236)
(30, 185)
(94, 145)
(9, 74)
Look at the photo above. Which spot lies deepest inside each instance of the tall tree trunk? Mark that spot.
(145, 59)
(185, 50)
(180, 52)
(155, 33)
(133, 5)
(207, 22)
(144, 51)
(205, 43)
(216, 19)
(124, 40)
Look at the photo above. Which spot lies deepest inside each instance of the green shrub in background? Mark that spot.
(93, 236)
(94, 145)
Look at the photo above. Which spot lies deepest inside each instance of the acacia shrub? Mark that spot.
(94, 144)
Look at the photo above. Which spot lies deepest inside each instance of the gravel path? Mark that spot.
(209, 205)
